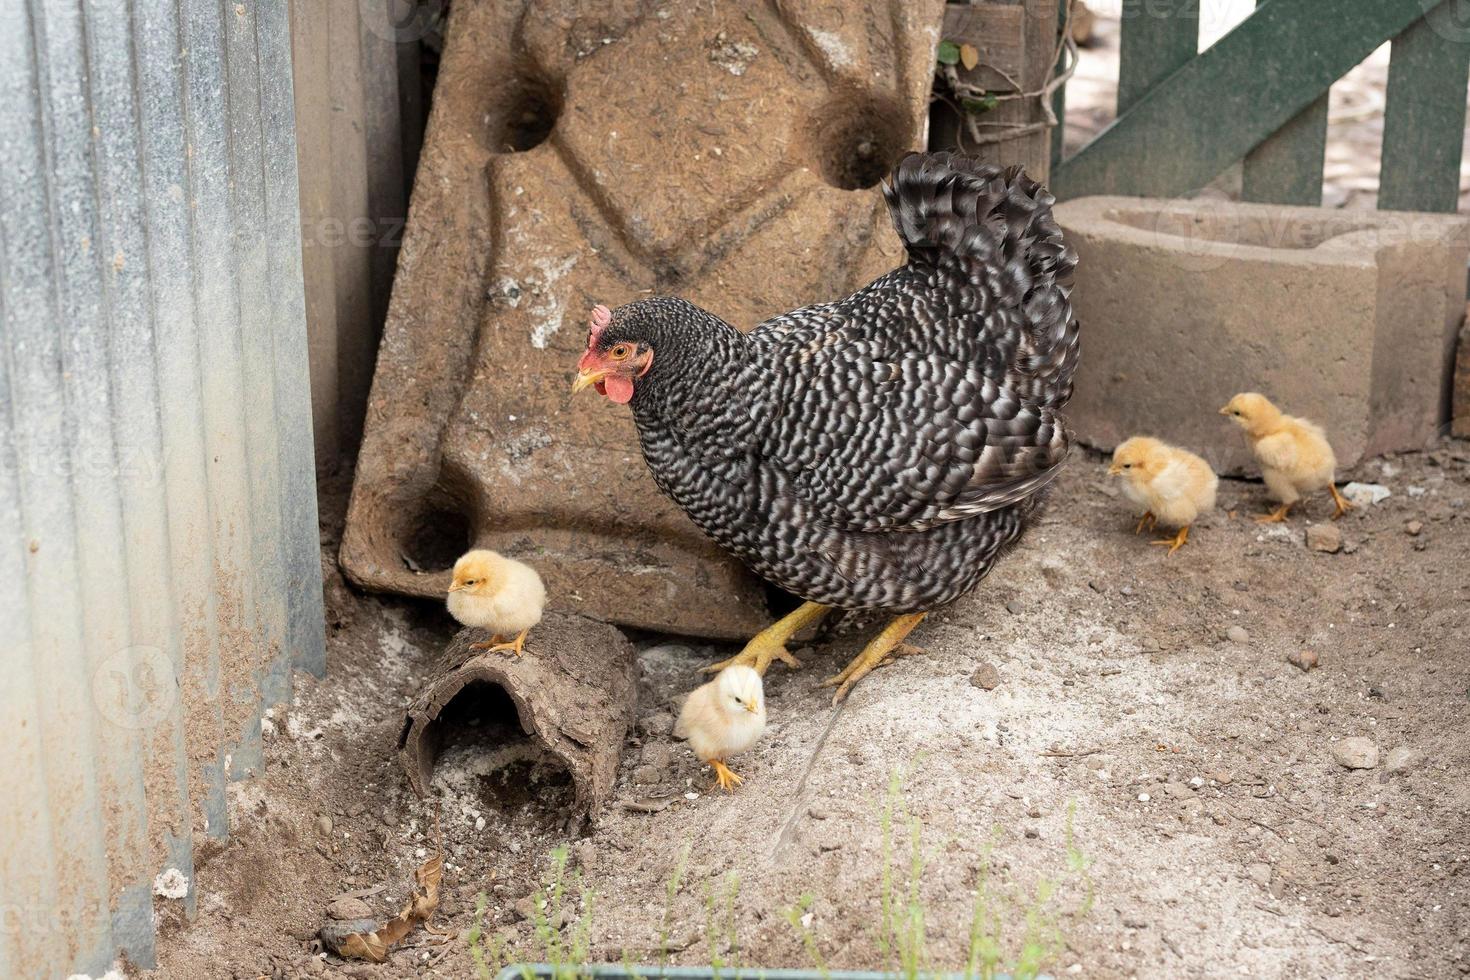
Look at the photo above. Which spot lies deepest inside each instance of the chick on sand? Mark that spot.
(499, 594)
(1294, 454)
(724, 718)
(1173, 485)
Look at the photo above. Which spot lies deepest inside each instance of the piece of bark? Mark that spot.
(575, 693)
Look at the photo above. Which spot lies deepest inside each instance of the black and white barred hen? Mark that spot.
(881, 452)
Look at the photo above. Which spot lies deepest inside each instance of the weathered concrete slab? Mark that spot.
(582, 153)
(1346, 317)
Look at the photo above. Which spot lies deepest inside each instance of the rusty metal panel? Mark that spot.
(159, 575)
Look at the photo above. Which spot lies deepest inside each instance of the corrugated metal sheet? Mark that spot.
(159, 571)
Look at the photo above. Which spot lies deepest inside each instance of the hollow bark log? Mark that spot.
(575, 693)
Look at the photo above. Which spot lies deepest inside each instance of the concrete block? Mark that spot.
(1345, 317)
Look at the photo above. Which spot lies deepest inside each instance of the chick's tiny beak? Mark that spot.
(456, 587)
(752, 708)
(588, 378)
(1114, 470)
(1225, 410)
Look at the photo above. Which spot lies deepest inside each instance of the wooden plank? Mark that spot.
(1059, 98)
(1287, 167)
(1218, 107)
(1017, 42)
(996, 31)
(1158, 38)
(1424, 121)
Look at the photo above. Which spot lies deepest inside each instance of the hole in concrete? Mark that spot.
(857, 139)
(435, 539)
(484, 761)
(523, 111)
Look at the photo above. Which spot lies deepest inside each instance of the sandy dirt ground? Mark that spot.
(1149, 697)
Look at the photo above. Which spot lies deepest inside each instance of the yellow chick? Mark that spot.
(499, 594)
(1173, 485)
(1294, 454)
(724, 718)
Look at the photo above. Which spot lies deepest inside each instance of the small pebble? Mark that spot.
(1325, 538)
(349, 908)
(1414, 528)
(1237, 634)
(1403, 758)
(324, 825)
(1143, 797)
(1014, 607)
(1197, 782)
(817, 813)
(986, 677)
(1305, 659)
(1356, 752)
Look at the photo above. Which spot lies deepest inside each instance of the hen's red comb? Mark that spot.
(597, 322)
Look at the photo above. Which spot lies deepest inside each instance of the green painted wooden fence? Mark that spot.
(1259, 95)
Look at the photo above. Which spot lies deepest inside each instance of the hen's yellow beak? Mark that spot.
(586, 379)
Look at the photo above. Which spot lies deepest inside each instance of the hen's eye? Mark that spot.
(620, 351)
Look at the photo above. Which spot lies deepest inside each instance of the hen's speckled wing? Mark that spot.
(931, 395)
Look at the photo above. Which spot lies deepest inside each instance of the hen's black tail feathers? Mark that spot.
(987, 237)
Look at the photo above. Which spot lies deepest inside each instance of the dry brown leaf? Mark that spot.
(424, 902)
(969, 56)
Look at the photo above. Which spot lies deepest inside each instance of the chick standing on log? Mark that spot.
(1294, 454)
(499, 594)
(1173, 485)
(724, 718)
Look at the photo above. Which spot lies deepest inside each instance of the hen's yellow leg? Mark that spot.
(724, 778)
(1147, 518)
(1277, 516)
(1343, 506)
(882, 649)
(516, 646)
(489, 644)
(1176, 542)
(770, 643)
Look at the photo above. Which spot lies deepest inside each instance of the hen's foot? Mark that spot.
(1147, 518)
(1277, 516)
(1176, 542)
(884, 647)
(489, 644)
(515, 646)
(1343, 506)
(724, 778)
(770, 643)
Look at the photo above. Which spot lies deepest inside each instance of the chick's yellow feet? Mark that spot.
(1277, 516)
(724, 778)
(1342, 503)
(1147, 518)
(1176, 542)
(516, 646)
(770, 643)
(884, 647)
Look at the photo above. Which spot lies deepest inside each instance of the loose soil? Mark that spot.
(1199, 770)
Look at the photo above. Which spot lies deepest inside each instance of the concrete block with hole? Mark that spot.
(1345, 317)
(583, 153)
